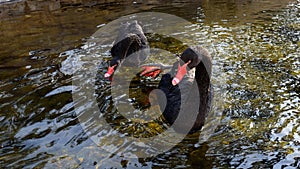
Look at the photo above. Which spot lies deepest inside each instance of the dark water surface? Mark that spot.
(256, 76)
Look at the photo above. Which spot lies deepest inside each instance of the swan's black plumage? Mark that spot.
(192, 96)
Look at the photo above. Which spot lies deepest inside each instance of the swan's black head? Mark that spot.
(129, 40)
(191, 55)
(191, 58)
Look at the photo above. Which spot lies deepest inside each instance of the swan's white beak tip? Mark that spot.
(175, 81)
(106, 75)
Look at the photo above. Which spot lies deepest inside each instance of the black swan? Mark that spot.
(131, 39)
(187, 91)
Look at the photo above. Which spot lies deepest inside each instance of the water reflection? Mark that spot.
(256, 52)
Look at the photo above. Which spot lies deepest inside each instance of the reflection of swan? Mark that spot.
(179, 90)
(130, 39)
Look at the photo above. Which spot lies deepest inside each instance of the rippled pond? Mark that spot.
(48, 118)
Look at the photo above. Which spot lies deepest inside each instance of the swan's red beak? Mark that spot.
(180, 73)
(150, 71)
(110, 71)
